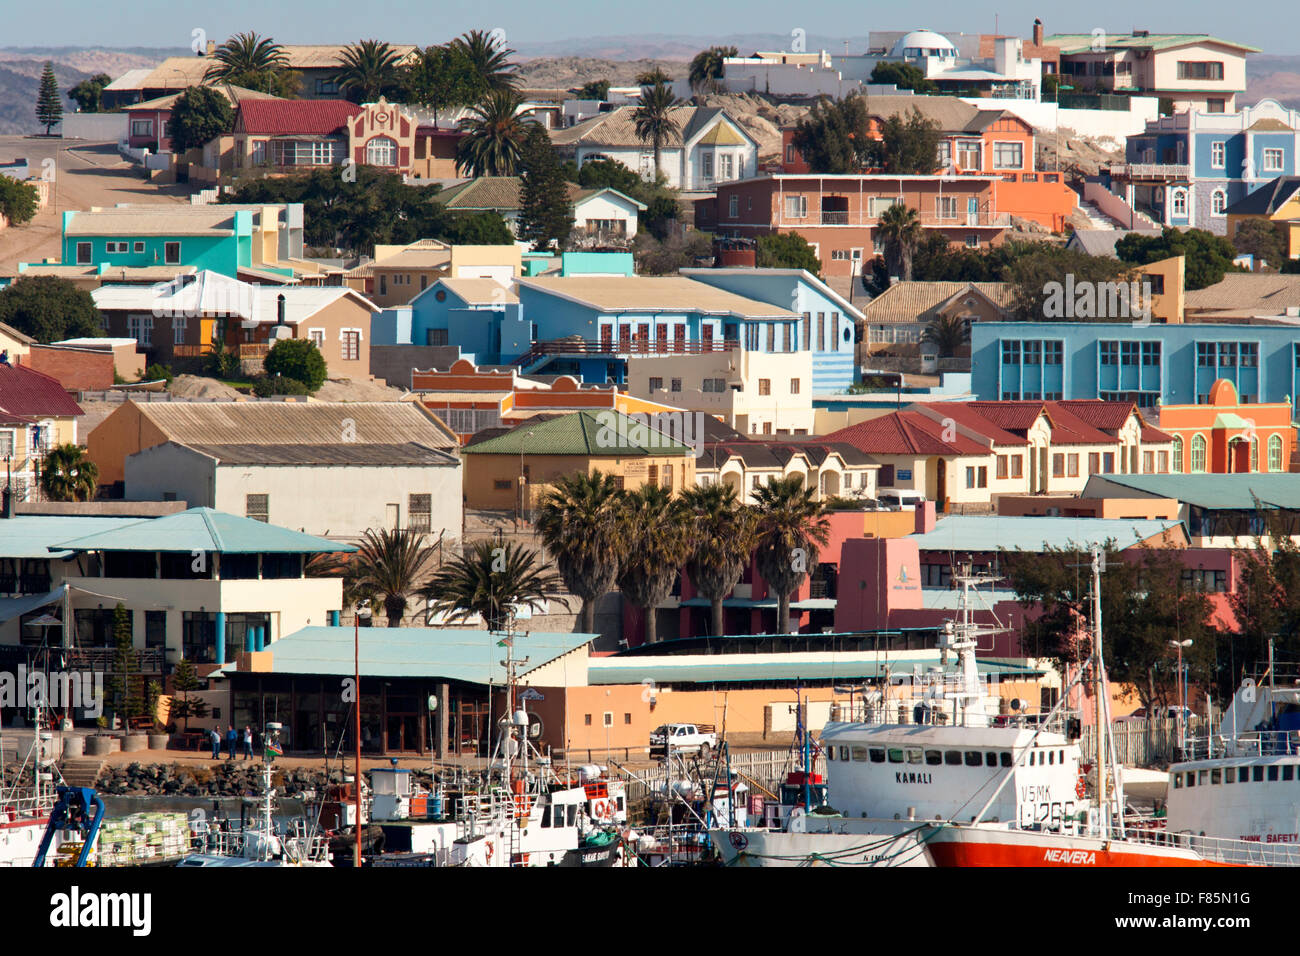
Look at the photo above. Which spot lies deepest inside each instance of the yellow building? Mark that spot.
(36, 414)
(1277, 202)
(517, 468)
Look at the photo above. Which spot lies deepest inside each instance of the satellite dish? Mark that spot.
(1017, 703)
(433, 702)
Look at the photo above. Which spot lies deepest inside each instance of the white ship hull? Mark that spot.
(20, 840)
(833, 841)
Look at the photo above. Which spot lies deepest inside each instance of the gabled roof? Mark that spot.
(1101, 242)
(1247, 294)
(1267, 199)
(479, 291)
(653, 294)
(506, 193)
(905, 433)
(284, 117)
(617, 128)
(32, 394)
(344, 454)
(919, 301)
(1087, 42)
(203, 530)
(295, 423)
(233, 94)
(605, 433)
(777, 453)
(159, 219)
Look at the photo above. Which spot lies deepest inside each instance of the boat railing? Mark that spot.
(478, 812)
(1252, 743)
(1222, 849)
(18, 808)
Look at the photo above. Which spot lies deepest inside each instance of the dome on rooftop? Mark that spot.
(921, 43)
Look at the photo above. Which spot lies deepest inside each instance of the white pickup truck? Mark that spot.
(684, 738)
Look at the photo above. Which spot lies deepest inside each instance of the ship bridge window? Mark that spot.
(913, 755)
(990, 759)
(1288, 772)
(1005, 758)
(1272, 772)
(1215, 776)
(952, 758)
(844, 753)
(1229, 774)
(1051, 756)
(1060, 755)
(1191, 778)
(860, 754)
(1032, 755)
(974, 758)
(1257, 774)
(895, 754)
(877, 755)
(1243, 774)
(935, 757)
(1178, 781)
(1202, 778)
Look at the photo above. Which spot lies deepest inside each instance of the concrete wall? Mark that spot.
(393, 363)
(492, 481)
(101, 127)
(1099, 124)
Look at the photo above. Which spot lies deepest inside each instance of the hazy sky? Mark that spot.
(1268, 24)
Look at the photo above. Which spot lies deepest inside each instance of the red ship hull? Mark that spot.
(1022, 849)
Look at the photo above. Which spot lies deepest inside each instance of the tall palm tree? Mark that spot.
(792, 526)
(249, 60)
(899, 230)
(722, 541)
(658, 528)
(494, 136)
(490, 59)
(579, 521)
(947, 332)
(68, 475)
(654, 120)
(368, 69)
(491, 580)
(388, 564)
(707, 68)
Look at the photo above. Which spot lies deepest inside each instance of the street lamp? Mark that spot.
(362, 610)
(523, 485)
(1182, 690)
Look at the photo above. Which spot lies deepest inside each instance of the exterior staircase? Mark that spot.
(1096, 218)
(82, 771)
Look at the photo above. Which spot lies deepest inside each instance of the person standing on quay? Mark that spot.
(248, 742)
(216, 743)
(231, 737)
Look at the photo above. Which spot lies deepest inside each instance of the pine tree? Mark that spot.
(184, 682)
(49, 108)
(124, 662)
(545, 215)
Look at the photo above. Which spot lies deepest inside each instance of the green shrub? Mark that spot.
(157, 371)
(223, 363)
(296, 359)
(279, 385)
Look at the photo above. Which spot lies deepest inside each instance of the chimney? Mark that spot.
(1038, 32)
(279, 309)
(925, 518)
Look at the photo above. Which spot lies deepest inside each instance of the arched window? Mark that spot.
(1198, 453)
(1218, 201)
(381, 151)
(1178, 455)
(1275, 453)
(1178, 202)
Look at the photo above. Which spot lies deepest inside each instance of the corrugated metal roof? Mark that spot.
(996, 532)
(296, 423)
(30, 536)
(1070, 43)
(743, 668)
(605, 433)
(203, 530)
(158, 220)
(471, 656)
(918, 301)
(1213, 492)
(350, 453)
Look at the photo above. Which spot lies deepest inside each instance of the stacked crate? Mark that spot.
(143, 838)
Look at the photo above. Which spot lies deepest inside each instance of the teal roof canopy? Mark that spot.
(996, 532)
(1213, 492)
(203, 530)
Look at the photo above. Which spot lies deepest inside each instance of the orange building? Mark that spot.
(1227, 437)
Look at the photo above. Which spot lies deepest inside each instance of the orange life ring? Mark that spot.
(490, 848)
(1081, 787)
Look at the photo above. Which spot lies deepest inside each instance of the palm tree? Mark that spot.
(387, 566)
(579, 522)
(490, 59)
(722, 541)
(651, 77)
(947, 333)
(492, 580)
(658, 544)
(249, 61)
(368, 69)
(707, 68)
(653, 118)
(791, 527)
(68, 475)
(899, 230)
(494, 136)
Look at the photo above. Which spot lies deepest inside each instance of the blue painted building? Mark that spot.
(1188, 168)
(1167, 364)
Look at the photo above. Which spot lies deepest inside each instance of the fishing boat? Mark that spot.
(25, 808)
(260, 842)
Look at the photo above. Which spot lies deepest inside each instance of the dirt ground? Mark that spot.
(85, 174)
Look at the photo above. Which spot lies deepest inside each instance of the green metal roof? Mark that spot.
(741, 668)
(471, 656)
(607, 433)
(205, 530)
(993, 532)
(1214, 492)
(1084, 42)
(33, 536)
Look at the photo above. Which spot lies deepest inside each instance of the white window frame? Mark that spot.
(1218, 154)
(876, 205)
(12, 434)
(178, 330)
(1273, 159)
(317, 338)
(1177, 198)
(733, 207)
(343, 339)
(1218, 202)
(796, 207)
(376, 150)
(706, 164)
(1003, 145)
(945, 207)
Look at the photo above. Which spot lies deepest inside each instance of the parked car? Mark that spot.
(897, 500)
(684, 738)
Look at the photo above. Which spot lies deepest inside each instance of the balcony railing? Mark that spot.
(1161, 171)
(928, 220)
(615, 347)
(835, 218)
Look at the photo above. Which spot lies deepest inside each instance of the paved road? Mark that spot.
(85, 174)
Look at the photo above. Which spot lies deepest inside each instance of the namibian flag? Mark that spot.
(273, 749)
